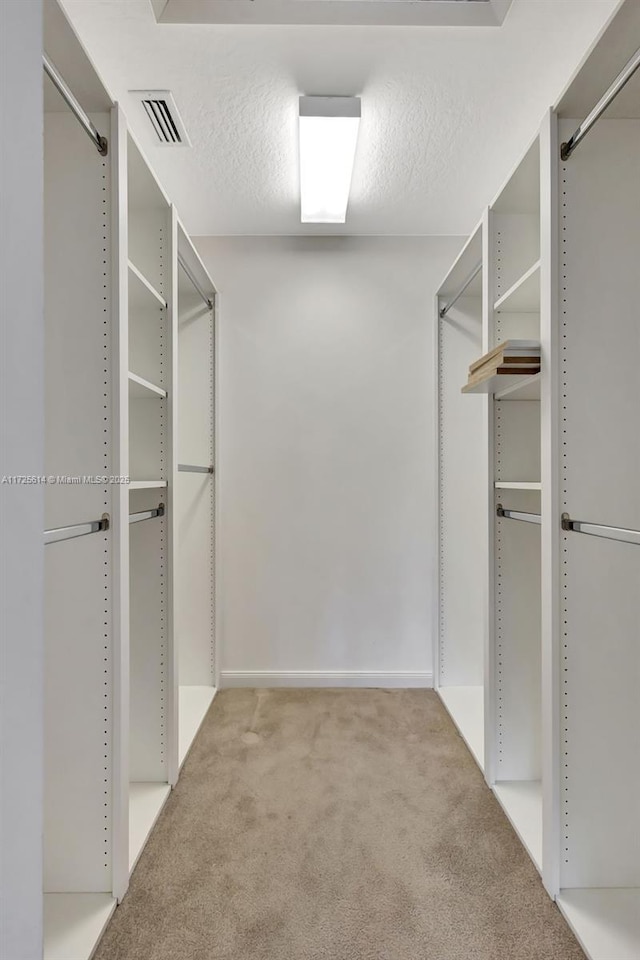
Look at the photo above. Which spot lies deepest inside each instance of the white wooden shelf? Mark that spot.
(141, 389)
(518, 485)
(147, 484)
(74, 923)
(519, 388)
(524, 295)
(193, 703)
(606, 921)
(465, 706)
(508, 386)
(140, 290)
(521, 800)
(146, 800)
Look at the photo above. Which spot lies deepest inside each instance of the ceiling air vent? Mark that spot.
(162, 113)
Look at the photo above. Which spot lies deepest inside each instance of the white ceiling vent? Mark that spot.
(162, 113)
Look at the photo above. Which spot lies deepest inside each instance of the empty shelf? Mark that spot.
(465, 705)
(147, 484)
(521, 800)
(518, 485)
(74, 923)
(146, 800)
(606, 921)
(524, 295)
(141, 291)
(193, 703)
(141, 389)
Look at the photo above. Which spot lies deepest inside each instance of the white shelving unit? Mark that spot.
(151, 428)
(83, 684)
(561, 247)
(462, 430)
(117, 727)
(195, 510)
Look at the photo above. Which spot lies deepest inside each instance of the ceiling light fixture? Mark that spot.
(328, 137)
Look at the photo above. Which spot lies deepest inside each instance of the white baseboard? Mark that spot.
(326, 678)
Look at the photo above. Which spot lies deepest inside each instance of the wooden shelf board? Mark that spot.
(465, 706)
(147, 484)
(521, 800)
(74, 923)
(606, 921)
(518, 485)
(139, 287)
(146, 800)
(141, 389)
(193, 703)
(524, 295)
(523, 388)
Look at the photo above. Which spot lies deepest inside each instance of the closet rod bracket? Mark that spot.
(566, 522)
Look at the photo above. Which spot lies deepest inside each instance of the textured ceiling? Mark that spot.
(446, 112)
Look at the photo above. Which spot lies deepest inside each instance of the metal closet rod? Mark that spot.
(444, 311)
(101, 142)
(193, 468)
(77, 530)
(518, 515)
(567, 148)
(190, 276)
(147, 514)
(600, 530)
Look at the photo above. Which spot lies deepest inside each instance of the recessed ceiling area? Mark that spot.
(446, 111)
(459, 13)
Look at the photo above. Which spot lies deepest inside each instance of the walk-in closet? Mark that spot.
(320, 479)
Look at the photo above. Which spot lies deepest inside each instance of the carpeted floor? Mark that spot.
(334, 825)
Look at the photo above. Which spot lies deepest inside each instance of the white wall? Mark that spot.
(325, 456)
(21, 506)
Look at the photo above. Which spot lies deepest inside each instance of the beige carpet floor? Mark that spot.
(334, 825)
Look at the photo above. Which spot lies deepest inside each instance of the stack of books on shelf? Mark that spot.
(508, 359)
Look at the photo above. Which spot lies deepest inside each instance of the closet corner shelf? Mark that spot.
(146, 800)
(521, 800)
(147, 484)
(518, 485)
(193, 704)
(141, 389)
(140, 286)
(524, 295)
(74, 923)
(465, 706)
(605, 920)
